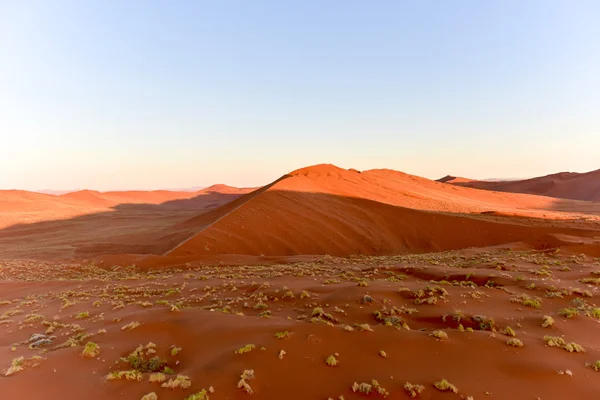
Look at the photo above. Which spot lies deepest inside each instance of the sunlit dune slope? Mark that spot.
(328, 210)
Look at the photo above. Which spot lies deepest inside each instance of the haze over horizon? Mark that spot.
(149, 95)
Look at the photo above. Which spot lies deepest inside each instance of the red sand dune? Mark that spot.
(19, 206)
(565, 185)
(328, 210)
(321, 209)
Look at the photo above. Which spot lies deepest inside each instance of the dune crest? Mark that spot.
(329, 210)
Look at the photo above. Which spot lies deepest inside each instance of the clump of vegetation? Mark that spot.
(591, 281)
(150, 396)
(246, 376)
(201, 395)
(331, 361)
(527, 301)
(555, 341)
(547, 321)
(73, 341)
(364, 327)
(382, 353)
(181, 381)
(366, 388)
(141, 359)
(318, 314)
(439, 334)
(282, 335)
(82, 315)
(260, 306)
(363, 388)
(596, 365)
(175, 350)
(391, 317)
(569, 312)
(543, 271)
(445, 386)
(169, 371)
(508, 331)
(574, 348)
(514, 342)
(127, 375)
(429, 295)
(413, 390)
(458, 315)
(91, 350)
(246, 349)
(485, 323)
(130, 326)
(33, 318)
(20, 363)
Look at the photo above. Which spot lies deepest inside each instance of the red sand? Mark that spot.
(321, 209)
(85, 223)
(328, 210)
(214, 271)
(564, 185)
(219, 311)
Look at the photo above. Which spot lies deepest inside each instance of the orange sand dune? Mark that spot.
(565, 185)
(106, 199)
(327, 210)
(19, 206)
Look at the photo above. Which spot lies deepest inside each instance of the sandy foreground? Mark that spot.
(493, 323)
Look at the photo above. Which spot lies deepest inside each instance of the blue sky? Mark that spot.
(153, 94)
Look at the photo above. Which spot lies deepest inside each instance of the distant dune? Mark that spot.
(19, 206)
(454, 179)
(564, 185)
(328, 210)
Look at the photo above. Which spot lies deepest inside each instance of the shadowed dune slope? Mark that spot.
(565, 185)
(328, 210)
(23, 207)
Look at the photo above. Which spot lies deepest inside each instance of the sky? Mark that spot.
(123, 94)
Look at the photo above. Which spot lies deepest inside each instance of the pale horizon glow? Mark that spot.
(126, 95)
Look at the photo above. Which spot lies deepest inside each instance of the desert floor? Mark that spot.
(495, 323)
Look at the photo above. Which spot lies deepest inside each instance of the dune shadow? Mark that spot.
(124, 228)
(591, 208)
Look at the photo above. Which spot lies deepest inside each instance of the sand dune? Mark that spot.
(564, 185)
(19, 206)
(328, 210)
(316, 210)
(205, 282)
(83, 223)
